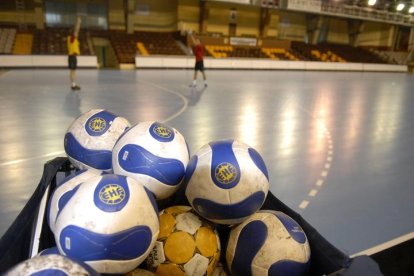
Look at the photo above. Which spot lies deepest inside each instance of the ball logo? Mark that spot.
(225, 173)
(97, 124)
(162, 131)
(112, 194)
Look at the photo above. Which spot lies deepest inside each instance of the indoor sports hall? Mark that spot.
(322, 90)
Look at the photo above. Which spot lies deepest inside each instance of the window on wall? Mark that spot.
(63, 14)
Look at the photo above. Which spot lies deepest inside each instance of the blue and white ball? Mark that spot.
(227, 181)
(90, 138)
(49, 251)
(110, 222)
(47, 265)
(268, 243)
(63, 192)
(154, 154)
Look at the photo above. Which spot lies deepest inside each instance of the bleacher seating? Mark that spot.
(142, 50)
(335, 53)
(126, 46)
(280, 54)
(218, 51)
(7, 36)
(327, 56)
(52, 41)
(392, 57)
(305, 50)
(157, 43)
(351, 54)
(224, 51)
(123, 45)
(23, 44)
(247, 52)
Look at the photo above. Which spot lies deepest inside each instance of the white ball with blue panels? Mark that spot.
(268, 243)
(64, 191)
(110, 222)
(154, 154)
(227, 181)
(90, 138)
(49, 251)
(51, 264)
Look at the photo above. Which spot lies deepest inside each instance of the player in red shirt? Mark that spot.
(198, 50)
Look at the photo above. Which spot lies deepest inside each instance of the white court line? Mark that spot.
(327, 165)
(313, 192)
(17, 161)
(319, 182)
(304, 204)
(173, 92)
(385, 245)
(56, 153)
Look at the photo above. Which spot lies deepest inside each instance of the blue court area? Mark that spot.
(338, 146)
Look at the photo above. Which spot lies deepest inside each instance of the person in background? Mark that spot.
(73, 52)
(198, 50)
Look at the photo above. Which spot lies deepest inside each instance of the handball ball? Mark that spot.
(64, 191)
(140, 272)
(154, 154)
(227, 181)
(90, 138)
(51, 265)
(110, 222)
(186, 244)
(268, 243)
(49, 251)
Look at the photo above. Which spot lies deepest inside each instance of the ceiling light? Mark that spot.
(372, 2)
(400, 6)
(411, 10)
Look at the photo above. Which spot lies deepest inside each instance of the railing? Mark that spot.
(365, 13)
(339, 10)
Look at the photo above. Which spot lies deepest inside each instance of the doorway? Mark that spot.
(104, 52)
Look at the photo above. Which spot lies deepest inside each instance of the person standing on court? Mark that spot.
(73, 52)
(198, 50)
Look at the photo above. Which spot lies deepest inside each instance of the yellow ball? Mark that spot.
(140, 272)
(187, 244)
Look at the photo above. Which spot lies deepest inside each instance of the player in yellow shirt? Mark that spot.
(73, 52)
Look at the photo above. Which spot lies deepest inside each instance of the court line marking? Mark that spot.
(385, 245)
(313, 192)
(319, 183)
(326, 167)
(173, 92)
(303, 204)
(57, 153)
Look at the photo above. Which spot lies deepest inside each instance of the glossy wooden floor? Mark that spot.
(338, 146)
